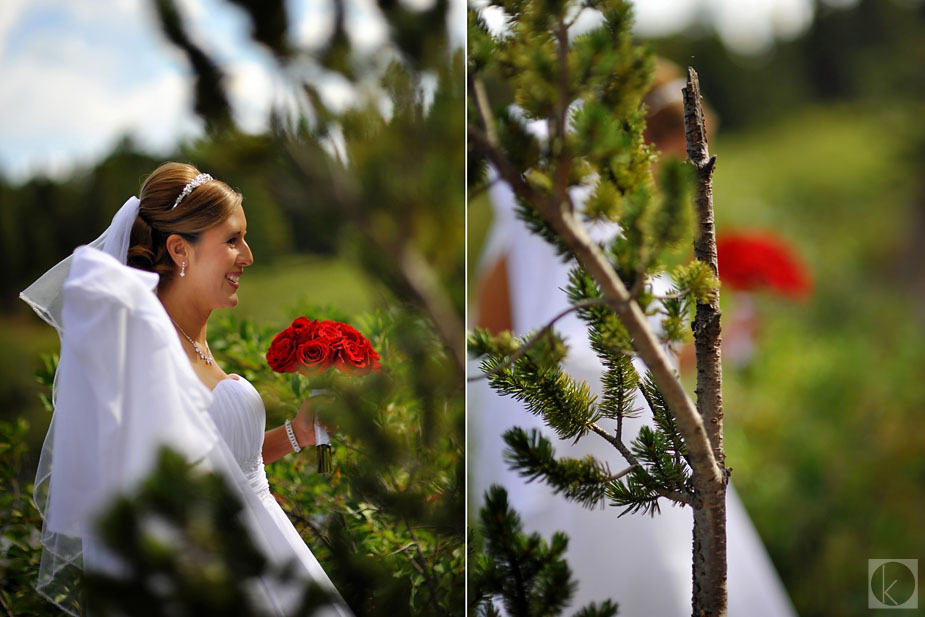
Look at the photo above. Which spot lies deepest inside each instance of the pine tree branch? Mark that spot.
(707, 475)
(617, 443)
(514, 357)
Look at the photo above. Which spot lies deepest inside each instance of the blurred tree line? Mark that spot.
(870, 50)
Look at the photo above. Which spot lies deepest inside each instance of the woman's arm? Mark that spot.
(276, 442)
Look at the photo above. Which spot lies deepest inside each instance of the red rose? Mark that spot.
(282, 355)
(350, 333)
(304, 329)
(315, 357)
(328, 332)
(357, 357)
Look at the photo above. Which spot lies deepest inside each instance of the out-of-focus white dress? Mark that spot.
(125, 388)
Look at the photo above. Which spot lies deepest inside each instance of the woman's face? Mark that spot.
(216, 262)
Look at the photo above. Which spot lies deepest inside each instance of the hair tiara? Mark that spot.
(200, 179)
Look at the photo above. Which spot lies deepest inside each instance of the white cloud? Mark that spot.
(10, 12)
(67, 96)
(746, 27)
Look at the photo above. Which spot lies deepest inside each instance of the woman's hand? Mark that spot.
(303, 425)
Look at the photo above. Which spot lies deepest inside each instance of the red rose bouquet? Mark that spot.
(312, 347)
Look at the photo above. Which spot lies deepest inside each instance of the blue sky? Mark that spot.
(76, 75)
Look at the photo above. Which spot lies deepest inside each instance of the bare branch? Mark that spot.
(425, 285)
(481, 101)
(709, 549)
(706, 326)
(625, 472)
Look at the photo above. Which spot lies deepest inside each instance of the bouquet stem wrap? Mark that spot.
(322, 448)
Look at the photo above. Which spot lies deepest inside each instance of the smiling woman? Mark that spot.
(136, 373)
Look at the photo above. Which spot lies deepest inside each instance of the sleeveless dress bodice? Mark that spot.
(241, 418)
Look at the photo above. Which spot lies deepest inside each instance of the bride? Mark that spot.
(136, 373)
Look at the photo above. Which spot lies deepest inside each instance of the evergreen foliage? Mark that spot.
(536, 378)
(526, 574)
(583, 481)
(185, 551)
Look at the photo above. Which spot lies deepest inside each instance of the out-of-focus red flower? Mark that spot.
(760, 260)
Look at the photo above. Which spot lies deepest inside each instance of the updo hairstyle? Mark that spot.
(207, 205)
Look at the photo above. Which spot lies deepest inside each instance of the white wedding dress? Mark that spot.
(240, 418)
(125, 388)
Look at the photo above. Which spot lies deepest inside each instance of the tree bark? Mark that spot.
(709, 564)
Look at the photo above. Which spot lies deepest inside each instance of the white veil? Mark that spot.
(62, 558)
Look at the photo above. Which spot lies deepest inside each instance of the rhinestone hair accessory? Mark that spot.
(200, 179)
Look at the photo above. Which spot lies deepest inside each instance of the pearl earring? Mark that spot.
(183, 269)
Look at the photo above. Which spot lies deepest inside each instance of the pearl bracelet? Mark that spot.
(292, 439)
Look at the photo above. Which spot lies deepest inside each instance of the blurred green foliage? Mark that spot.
(20, 527)
(825, 424)
(386, 524)
(186, 550)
